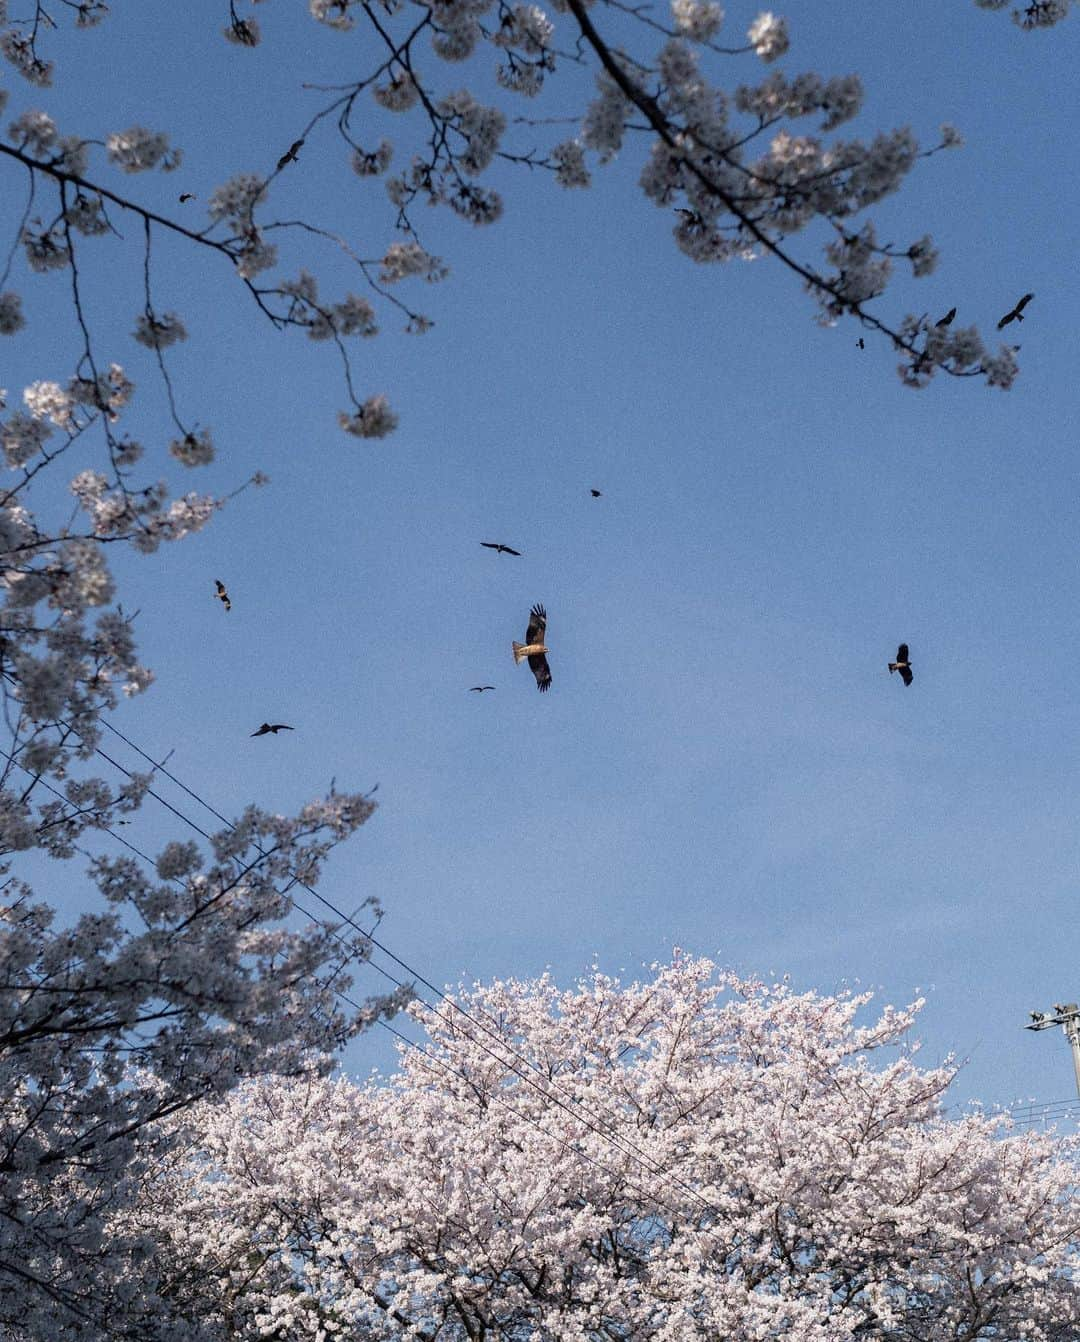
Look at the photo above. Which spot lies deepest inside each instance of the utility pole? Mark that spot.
(1066, 1015)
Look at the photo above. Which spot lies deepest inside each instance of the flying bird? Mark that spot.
(596, 493)
(1017, 314)
(499, 548)
(274, 727)
(479, 689)
(221, 594)
(902, 664)
(290, 154)
(861, 343)
(186, 195)
(946, 320)
(533, 648)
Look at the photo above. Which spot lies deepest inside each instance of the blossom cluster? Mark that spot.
(353, 316)
(374, 162)
(699, 20)
(769, 36)
(373, 419)
(159, 332)
(403, 260)
(11, 314)
(138, 150)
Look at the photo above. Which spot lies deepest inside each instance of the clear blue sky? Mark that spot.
(723, 762)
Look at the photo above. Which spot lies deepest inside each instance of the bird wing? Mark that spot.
(262, 730)
(538, 664)
(507, 550)
(220, 586)
(537, 626)
(906, 674)
(490, 545)
(282, 727)
(1023, 302)
(902, 653)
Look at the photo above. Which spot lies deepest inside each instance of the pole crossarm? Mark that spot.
(1064, 1015)
(1067, 1015)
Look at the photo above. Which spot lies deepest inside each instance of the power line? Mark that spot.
(1047, 1111)
(625, 1147)
(1043, 1113)
(430, 1058)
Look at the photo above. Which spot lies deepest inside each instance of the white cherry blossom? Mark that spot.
(769, 36)
(138, 150)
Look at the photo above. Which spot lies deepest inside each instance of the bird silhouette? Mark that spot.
(1017, 313)
(221, 594)
(944, 321)
(596, 493)
(499, 548)
(186, 195)
(902, 664)
(274, 727)
(290, 154)
(861, 343)
(479, 689)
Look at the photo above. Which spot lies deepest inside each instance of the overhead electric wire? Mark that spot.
(431, 1058)
(624, 1146)
(1048, 1111)
(616, 1141)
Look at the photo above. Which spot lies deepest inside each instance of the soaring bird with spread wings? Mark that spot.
(1016, 314)
(533, 648)
(902, 665)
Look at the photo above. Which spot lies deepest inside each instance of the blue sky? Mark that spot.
(723, 762)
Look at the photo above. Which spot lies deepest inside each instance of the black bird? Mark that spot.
(944, 321)
(861, 343)
(1017, 314)
(479, 689)
(221, 594)
(902, 664)
(186, 195)
(596, 493)
(274, 727)
(499, 548)
(290, 154)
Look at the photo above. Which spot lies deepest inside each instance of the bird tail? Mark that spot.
(519, 652)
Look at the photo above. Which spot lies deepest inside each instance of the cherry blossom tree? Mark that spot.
(695, 1156)
(183, 979)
